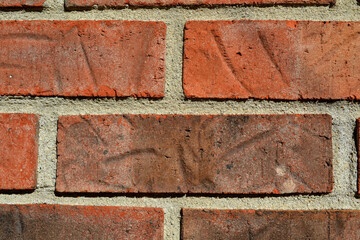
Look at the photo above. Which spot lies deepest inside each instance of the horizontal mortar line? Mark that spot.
(295, 203)
(57, 106)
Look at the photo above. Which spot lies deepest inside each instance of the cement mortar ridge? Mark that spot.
(344, 113)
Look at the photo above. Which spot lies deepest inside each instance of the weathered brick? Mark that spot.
(79, 222)
(272, 60)
(18, 151)
(82, 58)
(267, 224)
(121, 3)
(240, 154)
(21, 3)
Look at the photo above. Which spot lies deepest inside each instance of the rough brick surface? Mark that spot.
(79, 222)
(82, 58)
(200, 224)
(21, 3)
(197, 154)
(18, 151)
(272, 60)
(121, 3)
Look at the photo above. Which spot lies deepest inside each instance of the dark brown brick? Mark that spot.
(200, 224)
(240, 154)
(272, 60)
(79, 222)
(18, 151)
(21, 3)
(82, 58)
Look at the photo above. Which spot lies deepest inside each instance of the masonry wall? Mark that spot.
(191, 119)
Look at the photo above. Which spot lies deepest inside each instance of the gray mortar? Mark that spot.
(343, 113)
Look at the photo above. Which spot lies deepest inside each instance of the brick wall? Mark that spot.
(179, 119)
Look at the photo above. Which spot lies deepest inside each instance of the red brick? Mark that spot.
(239, 154)
(267, 224)
(18, 151)
(272, 60)
(121, 3)
(79, 222)
(21, 3)
(82, 58)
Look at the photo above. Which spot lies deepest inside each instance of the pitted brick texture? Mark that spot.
(200, 224)
(272, 60)
(18, 151)
(239, 154)
(82, 58)
(21, 3)
(121, 3)
(80, 222)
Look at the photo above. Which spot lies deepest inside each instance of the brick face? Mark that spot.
(271, 60)
(240, 154)
(18, 151)
(79, 222)
(82, 58)
(200, 224)
(122, 3)
(21, 3)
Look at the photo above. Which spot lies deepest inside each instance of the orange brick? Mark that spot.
(272, 60)
(82, 58)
